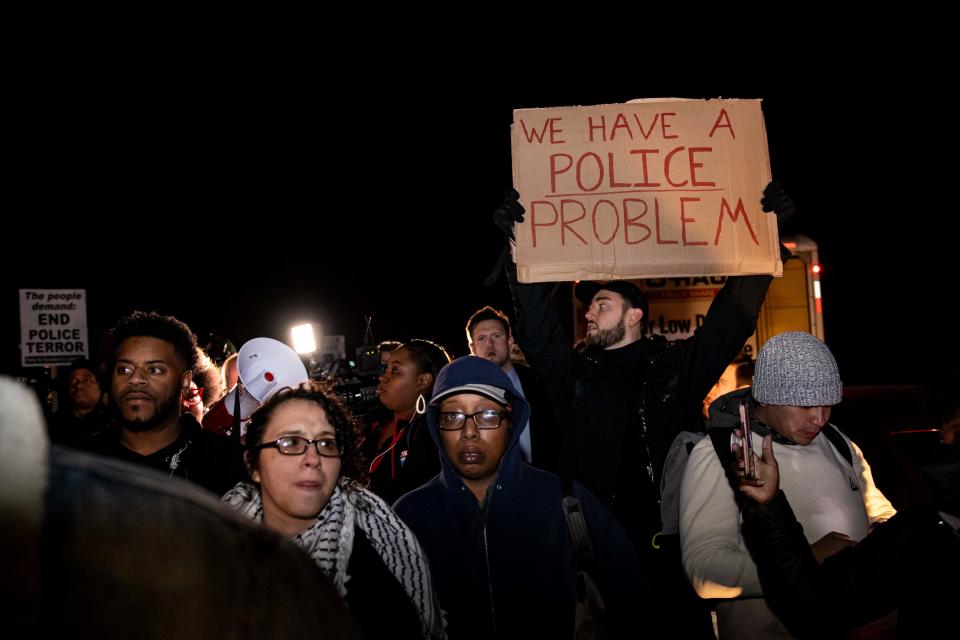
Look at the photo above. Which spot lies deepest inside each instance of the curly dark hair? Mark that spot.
(154, 325)
(347, 428)
(207, 376)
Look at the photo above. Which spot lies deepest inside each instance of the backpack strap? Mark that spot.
(839, 443)
(577, 523)
(721, 444)
(591, 610)
(829, 431)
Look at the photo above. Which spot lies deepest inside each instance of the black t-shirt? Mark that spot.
(204, 458)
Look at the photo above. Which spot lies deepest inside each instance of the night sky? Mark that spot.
(244, 202)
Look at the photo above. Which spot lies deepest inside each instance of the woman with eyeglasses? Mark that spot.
(303, 457)
(206, 387)
(513, 555)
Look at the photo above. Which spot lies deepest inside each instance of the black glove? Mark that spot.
(509, 212)
(776, 199)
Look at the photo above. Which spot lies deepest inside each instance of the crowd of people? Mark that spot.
(485, 497)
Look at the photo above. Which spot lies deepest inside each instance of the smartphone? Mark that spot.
(746, 442)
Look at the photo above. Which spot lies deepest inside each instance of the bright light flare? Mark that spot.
(304, 339)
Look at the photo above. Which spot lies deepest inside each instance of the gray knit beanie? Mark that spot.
(796, 369)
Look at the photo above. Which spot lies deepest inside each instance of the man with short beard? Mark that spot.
(624, 396)
(152, 357)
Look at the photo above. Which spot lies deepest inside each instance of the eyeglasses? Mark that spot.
(297, 446)
(193, 396)
(484, 419)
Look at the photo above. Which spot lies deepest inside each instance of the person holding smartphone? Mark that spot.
(909, 563)
(795, 385)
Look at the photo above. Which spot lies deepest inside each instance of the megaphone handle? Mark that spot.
(235, 433)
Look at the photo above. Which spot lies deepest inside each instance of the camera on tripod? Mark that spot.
(353, 381)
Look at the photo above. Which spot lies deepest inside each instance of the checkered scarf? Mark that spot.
(329, 541)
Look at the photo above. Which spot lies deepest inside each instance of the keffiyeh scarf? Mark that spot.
(329, 541)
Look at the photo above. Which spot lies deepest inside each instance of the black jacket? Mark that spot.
(376, 599)
(406, 465)
(202, 457)
(546, 436)
(67, 429)
(622, 408)
(912, 561)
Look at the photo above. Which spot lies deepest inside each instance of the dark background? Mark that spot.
(246, 198)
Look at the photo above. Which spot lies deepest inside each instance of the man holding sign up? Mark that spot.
(617, 192)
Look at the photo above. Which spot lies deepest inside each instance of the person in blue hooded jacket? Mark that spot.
(501, 553)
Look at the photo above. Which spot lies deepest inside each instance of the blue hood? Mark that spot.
(471, 370)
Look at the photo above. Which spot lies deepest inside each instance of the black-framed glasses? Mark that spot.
(484, 419)
(297, 446)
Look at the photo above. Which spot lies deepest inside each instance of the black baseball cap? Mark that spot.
(587, 289)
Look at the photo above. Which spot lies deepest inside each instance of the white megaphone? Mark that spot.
(265, 366)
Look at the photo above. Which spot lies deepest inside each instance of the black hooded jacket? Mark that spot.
(507, 568)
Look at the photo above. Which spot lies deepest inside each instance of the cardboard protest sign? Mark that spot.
(643, 189)
(53, 326)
